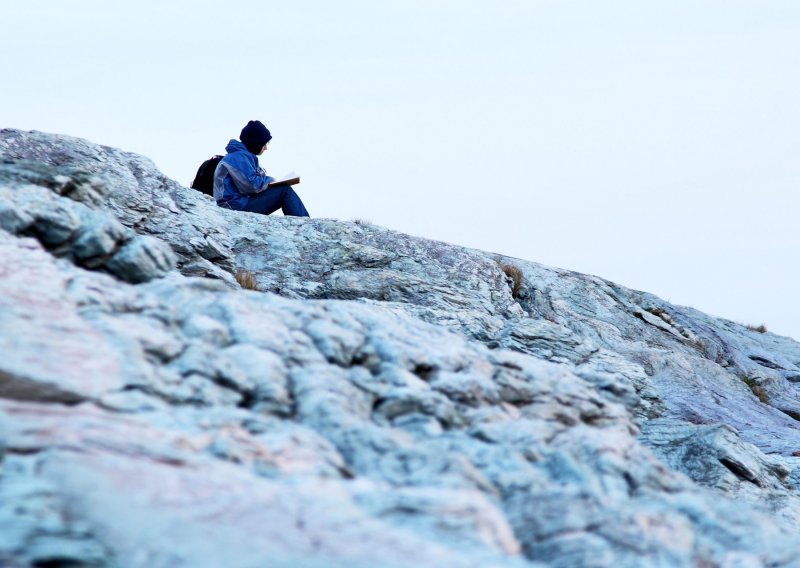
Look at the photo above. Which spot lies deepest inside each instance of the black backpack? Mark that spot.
(204, 180)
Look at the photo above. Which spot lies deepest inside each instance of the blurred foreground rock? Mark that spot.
(383, 400)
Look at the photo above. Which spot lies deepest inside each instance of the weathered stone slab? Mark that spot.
(404, 403)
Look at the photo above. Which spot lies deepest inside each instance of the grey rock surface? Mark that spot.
(381, 400)
(127, 186)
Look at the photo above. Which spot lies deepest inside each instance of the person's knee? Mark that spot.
(289, 194)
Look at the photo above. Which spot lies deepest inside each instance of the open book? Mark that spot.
(289, 179)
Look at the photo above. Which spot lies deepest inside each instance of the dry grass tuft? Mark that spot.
(757, 389)
(760, 393)
(757, 328)
(515, 274)
(660, 313)
(246, 279)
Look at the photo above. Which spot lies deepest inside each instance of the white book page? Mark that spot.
(290, 175)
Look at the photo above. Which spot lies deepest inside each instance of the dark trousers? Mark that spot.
(281, 197)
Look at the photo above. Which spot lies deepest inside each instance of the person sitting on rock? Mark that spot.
(241, 184)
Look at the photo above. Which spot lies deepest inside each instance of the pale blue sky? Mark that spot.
(653, 143)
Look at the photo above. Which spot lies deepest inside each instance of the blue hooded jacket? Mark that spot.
(238, 176)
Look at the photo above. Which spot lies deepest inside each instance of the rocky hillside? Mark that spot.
(380, 400)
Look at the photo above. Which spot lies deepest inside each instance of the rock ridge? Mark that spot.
(380, 400)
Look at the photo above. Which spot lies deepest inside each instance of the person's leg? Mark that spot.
(265, 202)
(292, 204)
(281, 197)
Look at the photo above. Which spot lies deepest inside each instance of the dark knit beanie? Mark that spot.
(254, 136)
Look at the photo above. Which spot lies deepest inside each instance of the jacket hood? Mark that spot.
(235, 146)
